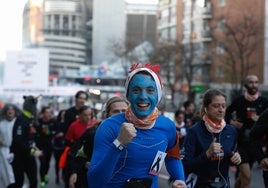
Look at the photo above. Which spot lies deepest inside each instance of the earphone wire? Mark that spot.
(219, 161)
(218, 165)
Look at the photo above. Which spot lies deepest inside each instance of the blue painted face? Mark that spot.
(142, 94)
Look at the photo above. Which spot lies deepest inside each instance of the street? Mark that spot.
(257, 181)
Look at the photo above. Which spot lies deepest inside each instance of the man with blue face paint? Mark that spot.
(131, 147)
(143, 98)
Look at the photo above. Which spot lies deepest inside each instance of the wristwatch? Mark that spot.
(118, 145)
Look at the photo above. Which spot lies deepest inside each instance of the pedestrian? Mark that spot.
(58, 142)
(210, 145)
(114, 105)
(45, 133)
(70, 116)
(127, 144)
(242, 113)
(189, 112)
(259, 137)
(180, 126)
(81, 151)
(71, 113)
(8, 115)
(23, 144)
(84, 121)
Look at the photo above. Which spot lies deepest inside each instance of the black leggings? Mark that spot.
(23, 164)
(45, 163)
(57, 155)
(265, 178)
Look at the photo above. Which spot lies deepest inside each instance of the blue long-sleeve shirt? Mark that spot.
(111, 167)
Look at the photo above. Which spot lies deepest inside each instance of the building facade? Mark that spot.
(222, 41)
(167, 26)
(141, 23)
(59, 26)
(109, 27)
(120, 24)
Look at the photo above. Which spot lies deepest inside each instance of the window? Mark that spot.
(187, 7)
(57, 25)
(73, 25)
(219, 72)
(173, 11)
(221, 3)
(220, 48)
(65, 25)
(206, 25)
(173, 36)
(164, 13)
(173, 19)
(221, 24)
(173, 2)
(164, 34)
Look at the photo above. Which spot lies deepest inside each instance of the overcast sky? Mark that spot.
(11, 24)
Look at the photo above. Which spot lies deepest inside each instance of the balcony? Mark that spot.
(206, 34)
(207, 12)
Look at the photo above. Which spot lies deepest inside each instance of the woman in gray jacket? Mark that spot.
(8, 116)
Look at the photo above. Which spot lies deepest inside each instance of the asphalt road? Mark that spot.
(256, 175)
(257, 181)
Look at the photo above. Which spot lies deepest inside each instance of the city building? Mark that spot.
(121, 26)
(141, 23)
(59, 26)
(222, 41)
(109, 26)
(266, 47)
(167, 25)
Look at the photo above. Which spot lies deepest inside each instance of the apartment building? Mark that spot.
(61, 27)
(122, 23)
(223, 40)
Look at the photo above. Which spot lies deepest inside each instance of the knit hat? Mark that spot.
(153, 70)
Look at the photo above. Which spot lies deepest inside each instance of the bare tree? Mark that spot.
(187, 59)
(121, 51)
(128, 52)
(165, 54)
(237, 43)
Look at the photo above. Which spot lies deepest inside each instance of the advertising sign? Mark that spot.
(27, 69)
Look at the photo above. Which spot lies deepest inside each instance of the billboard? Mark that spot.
(26, 69)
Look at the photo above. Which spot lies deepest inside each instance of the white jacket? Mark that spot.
(6, 171)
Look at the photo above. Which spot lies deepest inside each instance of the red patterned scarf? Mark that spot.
(146, 123)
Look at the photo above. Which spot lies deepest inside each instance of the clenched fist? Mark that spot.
(127, 133)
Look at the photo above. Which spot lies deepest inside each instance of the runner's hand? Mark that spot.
(264, 164)
(127, 133)
(236, 158)
(72, 180)
(179, 184)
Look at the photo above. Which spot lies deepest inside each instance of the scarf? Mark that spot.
(251, 97)
(146, 123)
(212, 127)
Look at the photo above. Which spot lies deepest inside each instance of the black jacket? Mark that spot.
(259, 136)
(240, 106)
(24, 132)
(70, 116)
